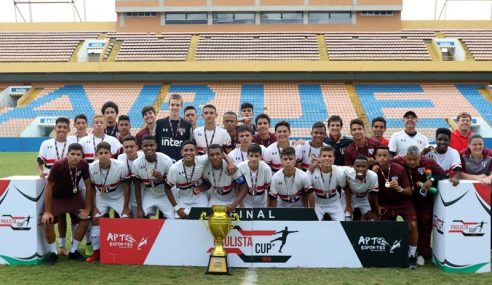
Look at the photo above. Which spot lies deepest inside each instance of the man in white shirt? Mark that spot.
(400, 141)
(210, 133)
(290, 186)
(258, 177)
(325, 179)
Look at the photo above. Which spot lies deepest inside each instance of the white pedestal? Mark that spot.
(22, 240)
(461, 227)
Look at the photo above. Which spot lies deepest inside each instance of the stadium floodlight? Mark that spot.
(444, 7)
(29, 3)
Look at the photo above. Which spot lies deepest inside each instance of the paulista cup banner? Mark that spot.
(22, 240)
(262, 238)
(461, 227)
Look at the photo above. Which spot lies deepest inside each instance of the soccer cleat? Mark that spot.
(88, 249)
(412, 262)
(63, 251)
(76, 256)
(52, 258)
(95, 256)
(420, 260)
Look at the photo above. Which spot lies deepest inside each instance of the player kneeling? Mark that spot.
(290, 185)
(63, 196)
(258, 177)
(325, 179)
(106, 175)
(152, 169)
(361, 190)
(216, 174)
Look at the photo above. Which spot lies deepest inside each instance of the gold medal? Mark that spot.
(387, 184)
(74, 190)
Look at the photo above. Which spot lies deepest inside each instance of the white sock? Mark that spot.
(52, 247)
(412, 250)
(95, 233)
(62, 242)
(75, 245)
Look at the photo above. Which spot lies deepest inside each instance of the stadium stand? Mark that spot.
(40, 46)
(478, 42)
(151, 47)
(297, 102)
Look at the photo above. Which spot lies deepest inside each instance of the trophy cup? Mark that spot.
(219, 224)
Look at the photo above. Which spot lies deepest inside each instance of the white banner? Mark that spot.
(21, 235)
(461, 227)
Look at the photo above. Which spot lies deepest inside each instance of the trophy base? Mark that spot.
(218, 265)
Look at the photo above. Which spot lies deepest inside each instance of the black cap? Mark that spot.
(410, 113)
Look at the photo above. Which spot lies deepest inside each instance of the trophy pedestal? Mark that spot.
(218, 265)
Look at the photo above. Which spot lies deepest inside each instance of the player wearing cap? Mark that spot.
(400, 141)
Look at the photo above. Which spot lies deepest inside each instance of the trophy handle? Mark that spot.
(203, 217)
(234, 218)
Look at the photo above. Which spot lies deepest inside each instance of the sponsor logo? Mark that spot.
(438, 224)
(16, 223)
(377, 244)
(267, 245)
(468, 229)
(171, 142)
(126, 241)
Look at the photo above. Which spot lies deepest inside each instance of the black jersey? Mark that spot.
(170, 134)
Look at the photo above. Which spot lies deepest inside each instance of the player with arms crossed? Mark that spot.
(64, 196)
(361, 190)
(106, 175)
(290, 185)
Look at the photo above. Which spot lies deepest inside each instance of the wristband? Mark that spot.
(176, 208)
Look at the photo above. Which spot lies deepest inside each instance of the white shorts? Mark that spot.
(335, 211)
(103, 205)
(199, 200)
(216, 199)
(362, 204)
(151, 202)
(258, 201)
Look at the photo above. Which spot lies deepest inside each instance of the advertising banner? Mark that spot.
(461, 227)
(21, 235)
(256, 243)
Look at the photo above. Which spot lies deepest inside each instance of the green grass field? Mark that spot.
(69, 272)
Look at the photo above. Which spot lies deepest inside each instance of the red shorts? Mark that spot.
(70, 205)
(406, 211)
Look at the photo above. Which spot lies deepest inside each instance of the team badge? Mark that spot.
(370, 151)
(421, 170)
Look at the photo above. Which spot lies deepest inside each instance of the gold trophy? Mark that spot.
(219, 224)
